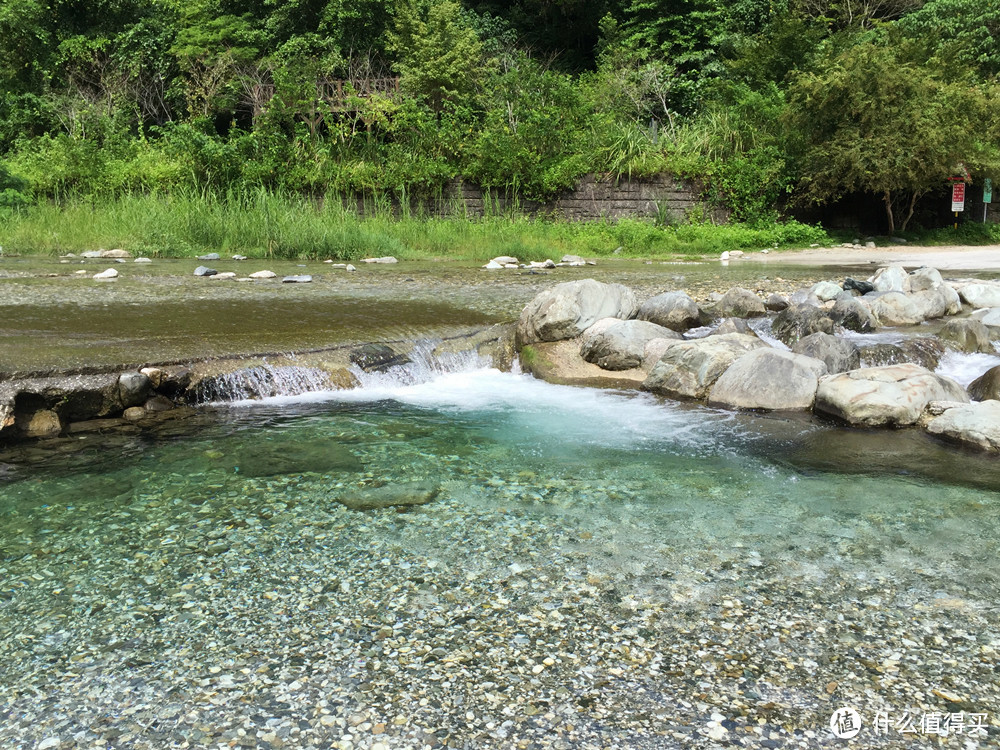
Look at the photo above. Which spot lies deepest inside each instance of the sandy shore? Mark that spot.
(942, 257)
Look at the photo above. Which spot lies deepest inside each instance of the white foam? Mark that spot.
(964, 368)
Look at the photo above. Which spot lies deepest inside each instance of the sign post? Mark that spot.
(957, 197)
(987, 196)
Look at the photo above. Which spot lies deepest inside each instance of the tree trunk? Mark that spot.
(887, 198)
(913, 204)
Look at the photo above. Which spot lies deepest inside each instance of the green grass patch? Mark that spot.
(266, 224)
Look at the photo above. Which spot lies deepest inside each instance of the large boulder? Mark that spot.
(621, 345)
(924, 351)
(967, 335)
(989, 317)
(987, 386)
(894, 395)
(740, 303)
(673, 310)
(981, 294)
(688, 369)
(133, 388)
(769, 379)
(897, 309)
(976, 424)
(800, 321)
(853, 315)
(776, 303)
(925, 278)
(568, 309)
(891, 279)
(560, 362)
(839, 355)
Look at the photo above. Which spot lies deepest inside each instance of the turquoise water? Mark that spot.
(546, 492)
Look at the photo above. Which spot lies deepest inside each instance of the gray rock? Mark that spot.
(853, 315)
(740, 303)
(891, 279)
(566, 310)
(204, 271)
(385, 259)
(622, 345)
(825, 291)
(925, 278)
(673, 310)
(688, 369)
(571, 259)
(967, 335)
(733, 325)
(924, 351)
(976, 425)
(897, 309)
(377, 357)
(839, 355)
(91, 254)
(134, 414)
(43, 423)
(769, 379)
(390, 496)
(987, 386)
(133, 388)
(981, 294)
(776, 303)
(800, 321)
(117, 253)
(169, 379)
(894, 395)
(209, 256)
(158, 404)
(861, 287)
(263, 275)
(298, 279)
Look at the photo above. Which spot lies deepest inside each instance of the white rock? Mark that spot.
(725, 255)
(981, 294)
(263, 275)
(350, 268)
(81, 272)
(49, 742)
(383, 259)
(142, 260)
(976, 424)
(111, 273)
(493, 265)
(223, 275)
(505, 260)
(571, 259)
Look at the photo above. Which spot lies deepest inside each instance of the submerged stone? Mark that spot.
(390, 496)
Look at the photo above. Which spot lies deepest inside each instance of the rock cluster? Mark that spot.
(591, 333)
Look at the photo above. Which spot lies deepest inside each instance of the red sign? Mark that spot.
(958, 196)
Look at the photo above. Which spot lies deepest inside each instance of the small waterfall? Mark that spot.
(261, 381)
(427, 362)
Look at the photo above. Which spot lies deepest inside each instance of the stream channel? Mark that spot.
(598, 569)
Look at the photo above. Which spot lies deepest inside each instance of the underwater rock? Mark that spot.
(404, 494)
(377, 357)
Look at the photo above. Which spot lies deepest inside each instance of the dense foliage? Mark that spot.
(773, 104)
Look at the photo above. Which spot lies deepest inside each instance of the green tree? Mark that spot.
(438, 55)
(968, 28)
(876, 119)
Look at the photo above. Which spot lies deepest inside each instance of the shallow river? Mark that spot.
(597, 570)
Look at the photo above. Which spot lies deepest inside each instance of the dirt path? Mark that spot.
(942, 257)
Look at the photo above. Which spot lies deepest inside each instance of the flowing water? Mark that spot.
(600, 569)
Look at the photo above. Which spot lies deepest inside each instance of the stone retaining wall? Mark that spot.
(594, 197)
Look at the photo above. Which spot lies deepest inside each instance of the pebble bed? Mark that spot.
(167, 594)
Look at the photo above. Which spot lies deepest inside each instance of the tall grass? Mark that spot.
(268, 224)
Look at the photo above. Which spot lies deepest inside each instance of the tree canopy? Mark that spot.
(772, 104)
